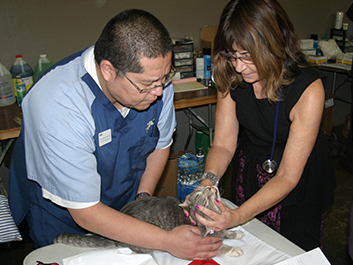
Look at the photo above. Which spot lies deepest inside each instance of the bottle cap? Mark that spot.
(18, 56)
(43, 55)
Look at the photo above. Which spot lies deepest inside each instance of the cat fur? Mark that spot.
(167, 213)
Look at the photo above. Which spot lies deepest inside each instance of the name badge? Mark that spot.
(105, 137)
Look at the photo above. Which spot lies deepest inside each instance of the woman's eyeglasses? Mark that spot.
(167, 79)
(231, 57)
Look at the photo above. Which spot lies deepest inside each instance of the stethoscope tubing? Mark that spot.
(275, 129)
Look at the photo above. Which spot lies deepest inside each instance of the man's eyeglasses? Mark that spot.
(167, 79)
(231, 57)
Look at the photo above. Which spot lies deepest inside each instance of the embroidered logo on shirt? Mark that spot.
(149, 124)
(105, 137)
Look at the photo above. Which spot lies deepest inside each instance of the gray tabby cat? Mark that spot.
(167, 213)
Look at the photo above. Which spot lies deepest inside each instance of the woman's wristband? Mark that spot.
(210, 176)
(142, 194)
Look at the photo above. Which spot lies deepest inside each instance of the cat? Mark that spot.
(167, 213)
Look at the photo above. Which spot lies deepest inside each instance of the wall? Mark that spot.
(314, 16)
(60, 28)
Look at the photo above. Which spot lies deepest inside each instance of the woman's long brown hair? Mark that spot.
(262, 28)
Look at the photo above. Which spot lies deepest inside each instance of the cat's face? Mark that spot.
(205, 196)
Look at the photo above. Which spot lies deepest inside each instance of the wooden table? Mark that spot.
(187, 100)
(10, 121)
(346, 70)
(10, 127)
(196, 98)
(10, 116)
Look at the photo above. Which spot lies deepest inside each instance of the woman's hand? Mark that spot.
(226, 219)
(204, 182)
(187, 214)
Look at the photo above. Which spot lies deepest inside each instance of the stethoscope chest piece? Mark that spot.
(269, 166)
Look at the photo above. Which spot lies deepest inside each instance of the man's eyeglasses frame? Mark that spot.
(167, 80)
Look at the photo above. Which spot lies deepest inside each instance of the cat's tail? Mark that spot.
(88, 241)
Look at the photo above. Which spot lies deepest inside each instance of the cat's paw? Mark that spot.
(235, 252)
(230, 251)
(234, 234)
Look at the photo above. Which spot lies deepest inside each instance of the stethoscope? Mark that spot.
(270, 165)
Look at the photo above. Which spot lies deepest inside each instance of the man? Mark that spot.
(97, 130)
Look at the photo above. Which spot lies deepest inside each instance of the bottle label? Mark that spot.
(200, 157)
(21, 89)
(27, 80)
(21, 92)
(200, 160)
(207, 67)
(6, 97)
(5, 90)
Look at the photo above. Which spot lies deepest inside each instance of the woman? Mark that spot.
(266, 87)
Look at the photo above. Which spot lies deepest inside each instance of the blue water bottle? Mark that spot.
(207, 60)
(20, 89)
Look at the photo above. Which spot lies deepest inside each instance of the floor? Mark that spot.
(14, 253)
(337, 224)
(336, 228)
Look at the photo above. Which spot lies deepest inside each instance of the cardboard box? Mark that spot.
(328, 114)
(345, 58)
(306, 44)
(308, 52)
(207, 36)
(317, 59)
(167, 185)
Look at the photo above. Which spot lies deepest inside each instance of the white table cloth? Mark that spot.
(261, 245)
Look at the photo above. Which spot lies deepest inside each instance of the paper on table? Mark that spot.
(339, 66)
(256, 252)
(111, 256)
(191, 86)
(184, 80)
(312, 257)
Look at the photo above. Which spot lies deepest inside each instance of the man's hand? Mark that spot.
(186, 243)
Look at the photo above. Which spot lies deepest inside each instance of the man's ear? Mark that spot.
(108, 70)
